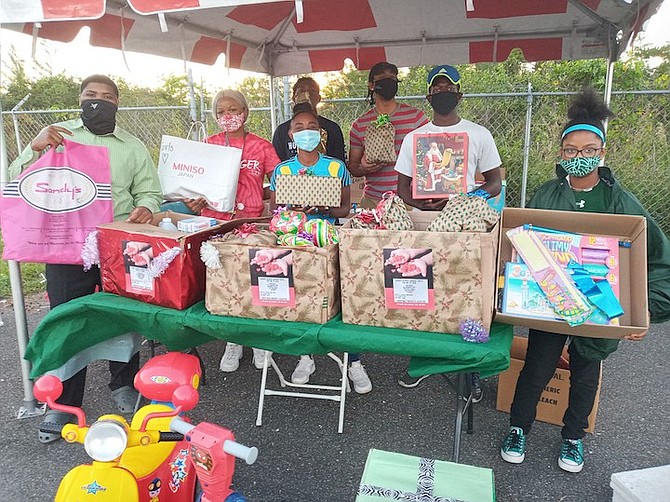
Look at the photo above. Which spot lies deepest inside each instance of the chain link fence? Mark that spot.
(638, 137)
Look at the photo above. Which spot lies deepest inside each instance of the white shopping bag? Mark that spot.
(190, 169)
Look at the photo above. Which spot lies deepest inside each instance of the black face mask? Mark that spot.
(98, 115)
(444, 102)
(387, 88)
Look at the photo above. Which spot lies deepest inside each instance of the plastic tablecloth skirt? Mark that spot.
(86, 321)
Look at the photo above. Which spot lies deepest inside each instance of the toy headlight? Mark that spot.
(106, 440)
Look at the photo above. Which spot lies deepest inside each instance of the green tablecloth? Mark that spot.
(81, 323)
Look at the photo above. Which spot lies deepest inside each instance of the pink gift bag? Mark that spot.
(52, 206)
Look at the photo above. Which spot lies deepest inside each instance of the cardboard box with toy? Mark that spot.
(631, 280)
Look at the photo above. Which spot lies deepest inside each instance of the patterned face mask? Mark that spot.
(580, 166)
(230, 123)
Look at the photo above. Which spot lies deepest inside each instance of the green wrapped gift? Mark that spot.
(394, 476)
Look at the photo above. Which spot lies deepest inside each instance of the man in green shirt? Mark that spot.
(136, 195)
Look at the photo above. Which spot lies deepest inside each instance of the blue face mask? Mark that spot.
(307, 140)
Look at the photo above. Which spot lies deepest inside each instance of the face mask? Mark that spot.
(580, 166)
(444, 102)
(230, 123)
(98, 115)
(387, 88)
(307, 140)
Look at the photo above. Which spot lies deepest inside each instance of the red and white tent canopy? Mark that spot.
(304, 36)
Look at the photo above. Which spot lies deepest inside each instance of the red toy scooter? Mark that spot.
(159, 456)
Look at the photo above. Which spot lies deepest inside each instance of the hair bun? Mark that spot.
(588, 106)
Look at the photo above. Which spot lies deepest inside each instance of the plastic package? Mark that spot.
(166, 224)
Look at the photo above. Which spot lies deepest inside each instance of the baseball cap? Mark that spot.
(444, 70)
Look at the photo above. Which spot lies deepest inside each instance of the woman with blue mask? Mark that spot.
(305, 132)
(582, 184)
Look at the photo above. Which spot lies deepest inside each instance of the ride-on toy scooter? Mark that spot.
(159, 456)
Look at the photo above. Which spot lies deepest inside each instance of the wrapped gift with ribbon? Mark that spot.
(394, 476)
(380, 141)
(321, 231)
(286, 221)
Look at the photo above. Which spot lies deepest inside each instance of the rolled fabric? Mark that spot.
(286, 222)
(322, 231)
(294, 240)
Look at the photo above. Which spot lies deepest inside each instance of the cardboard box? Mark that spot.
(128, 251)
(632, 267)
(307, 291)
(394, 476)
(554, 399)
(459, 285)
(357, 186)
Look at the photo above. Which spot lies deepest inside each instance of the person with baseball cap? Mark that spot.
(382, 89)
(481, 154)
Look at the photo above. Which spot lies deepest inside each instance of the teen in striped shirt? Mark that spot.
(380, 178)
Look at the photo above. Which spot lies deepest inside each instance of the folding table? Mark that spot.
(83, 322)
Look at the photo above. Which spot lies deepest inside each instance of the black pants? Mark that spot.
(65, 283)
(544, 351)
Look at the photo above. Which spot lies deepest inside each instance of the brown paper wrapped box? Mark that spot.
(306, 190)
(463, 276)
(315, 273)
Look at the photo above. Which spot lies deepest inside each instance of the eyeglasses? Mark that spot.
(588, 152)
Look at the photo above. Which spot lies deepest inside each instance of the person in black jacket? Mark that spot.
(332, 141)
(581, 185)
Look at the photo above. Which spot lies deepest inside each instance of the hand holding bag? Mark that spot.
(52, 206)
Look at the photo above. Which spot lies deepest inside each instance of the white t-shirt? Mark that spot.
(482, 150)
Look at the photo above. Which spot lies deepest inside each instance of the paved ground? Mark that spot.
(302, 458)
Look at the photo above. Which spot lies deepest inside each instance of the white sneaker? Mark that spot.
(359, 377)
(259, 356)
(231, 358)
(303, 370)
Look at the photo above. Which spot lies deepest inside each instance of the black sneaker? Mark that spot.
(477, 392)
(409, 382)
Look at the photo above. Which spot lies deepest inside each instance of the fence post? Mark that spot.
(191, 99)
(16, 108)
(526, 144)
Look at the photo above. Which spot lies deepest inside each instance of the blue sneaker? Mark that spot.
(571, 458)
(513, 449)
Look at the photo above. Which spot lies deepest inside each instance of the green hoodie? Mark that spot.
(557, 195)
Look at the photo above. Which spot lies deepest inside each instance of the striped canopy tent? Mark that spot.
(304, 36)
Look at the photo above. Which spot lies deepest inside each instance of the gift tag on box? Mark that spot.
(305, 190)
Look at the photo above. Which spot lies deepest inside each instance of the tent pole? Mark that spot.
(608, 83)
(273, 104)
(30, 407)
(526, 145)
